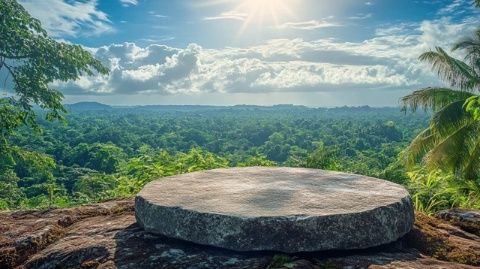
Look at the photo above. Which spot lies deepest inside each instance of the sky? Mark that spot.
(226, 52)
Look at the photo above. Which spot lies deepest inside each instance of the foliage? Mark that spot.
(323, 158)
(451, 142)
(66, 164)
(448, 151)
(430, 191)
(98, 156)
(10, 194)
(436, 190)
(134, 174)
(257, 160)
(105, 154)
(32, 61)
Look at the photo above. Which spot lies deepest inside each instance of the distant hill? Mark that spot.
(169, 109)
(87, 106)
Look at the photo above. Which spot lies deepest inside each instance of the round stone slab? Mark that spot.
(280, 209)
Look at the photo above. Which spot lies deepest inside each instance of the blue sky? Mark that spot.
(226, 52)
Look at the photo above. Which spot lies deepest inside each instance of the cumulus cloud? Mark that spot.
(388, 60)
(67, 18)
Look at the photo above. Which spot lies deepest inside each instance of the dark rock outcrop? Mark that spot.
(106, 235)
(468, 220)
(276, 209)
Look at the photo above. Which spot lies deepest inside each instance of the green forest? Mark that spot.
(56, 155)
(101, 152)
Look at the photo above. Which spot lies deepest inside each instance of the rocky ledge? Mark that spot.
(106, 235)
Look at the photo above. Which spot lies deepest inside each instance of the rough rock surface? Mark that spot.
(281, 209)
(468, 220)
(105, 235)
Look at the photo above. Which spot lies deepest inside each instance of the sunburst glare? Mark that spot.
(264, 12)
(258, 13)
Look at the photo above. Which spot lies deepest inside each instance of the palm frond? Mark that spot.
(455, 72)
(452, 151)
(449, 118)
(418, 147)
(432, 98)
(472, 165)
(471, 46)
(450, 142)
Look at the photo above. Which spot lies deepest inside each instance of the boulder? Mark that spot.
(279, 209)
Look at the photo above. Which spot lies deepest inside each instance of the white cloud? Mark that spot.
(452, 7)
(389, 60)
(460, 8)
(228, 15)
(309, 25)
(361, 16)
(154, 14)
(61, 18)
(127, 3)
(397, 29)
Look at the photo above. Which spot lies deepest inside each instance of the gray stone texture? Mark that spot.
(281, 209)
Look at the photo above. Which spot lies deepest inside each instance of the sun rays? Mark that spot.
(256, 13)
(263, 12)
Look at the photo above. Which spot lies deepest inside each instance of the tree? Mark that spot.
(32, 61)
(257, 160)
(105, 157)
(10, 194)
(101, 157)
(323, 158)
(451, 141)
(96, 186)
(197, 159)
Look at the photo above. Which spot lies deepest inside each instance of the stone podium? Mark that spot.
(279, 209)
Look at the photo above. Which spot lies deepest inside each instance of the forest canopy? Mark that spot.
(104, 152)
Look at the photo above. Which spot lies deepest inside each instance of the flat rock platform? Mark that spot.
(279, 209)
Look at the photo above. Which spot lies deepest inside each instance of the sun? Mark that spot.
(264, 11)
(256, 14)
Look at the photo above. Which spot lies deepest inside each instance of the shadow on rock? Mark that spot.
(139, 249)
(89, 257)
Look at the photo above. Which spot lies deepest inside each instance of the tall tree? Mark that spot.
(451, 141)
(29, 62)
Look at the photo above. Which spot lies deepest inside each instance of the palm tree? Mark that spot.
(452, 141)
